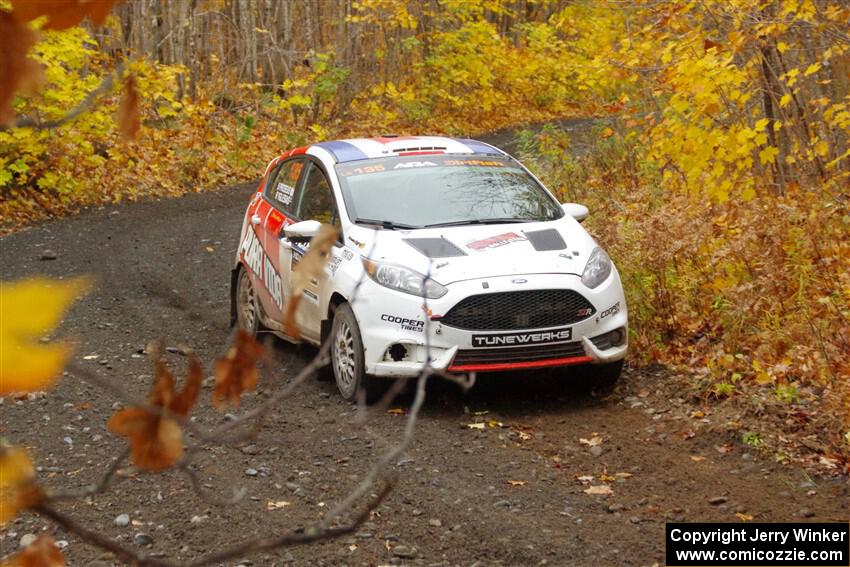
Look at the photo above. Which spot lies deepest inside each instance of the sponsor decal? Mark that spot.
(298, 252)
(347, 254)
(283, 193)
(518, 339)
(405, 323)
(333, 264)
(613, 310)
(259, 263)
(585, 312)
(495, 241)
(409, 164)
(311, 297)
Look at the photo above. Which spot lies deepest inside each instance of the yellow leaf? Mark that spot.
(516, 482)
(812, 69)
(782, 47)
(822, 148)
(30, 309)
(743, 517)
(768, 155)
(761, 124)
(785, 100)
(748, 194)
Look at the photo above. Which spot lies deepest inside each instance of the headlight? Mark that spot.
(597, 269)
(403, 279)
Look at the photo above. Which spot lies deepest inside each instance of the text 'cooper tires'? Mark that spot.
(247, 317)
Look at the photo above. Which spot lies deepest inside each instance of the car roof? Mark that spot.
(387, 146)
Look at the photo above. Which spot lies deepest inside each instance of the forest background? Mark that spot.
(717, 173)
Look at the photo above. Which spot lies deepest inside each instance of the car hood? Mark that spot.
(452, 254)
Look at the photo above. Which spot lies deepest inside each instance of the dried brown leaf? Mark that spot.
(62, 14)
(599, 490)
(17, 71)
(237, 371)
(127, 117)
(311, 266)
(156, 441)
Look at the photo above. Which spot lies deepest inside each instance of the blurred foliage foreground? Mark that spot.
(718, 175)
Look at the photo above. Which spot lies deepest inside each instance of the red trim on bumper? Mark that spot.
(520, 365)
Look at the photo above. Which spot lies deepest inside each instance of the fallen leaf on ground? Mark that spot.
(592, 442)
(727, 448)
(277, 504)
(479, 425)
(743, 517)
(42, 552)
(32, 308)
(585, 478)
(396, 411)
(685, 435)
(607, 478)
(237, 371)
(697, 458)
(643, 394)
(697, 414)
(493, 424)
(516, 482)
(623, 475)
(599, 490)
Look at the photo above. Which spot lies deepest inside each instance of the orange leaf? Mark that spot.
(237, 371)
(62, 14)
(156, 441)
(40, 553)
(17, 71)
(17, 483)
(311, 266)
(128, 113)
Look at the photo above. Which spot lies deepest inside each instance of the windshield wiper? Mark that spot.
(386, 224)
(479, 221)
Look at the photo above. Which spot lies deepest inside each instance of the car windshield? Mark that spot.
(443, 190)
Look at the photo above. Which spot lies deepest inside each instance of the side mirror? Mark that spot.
(578, 212)
(302, 231)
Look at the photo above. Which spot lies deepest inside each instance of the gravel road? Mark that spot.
(507, 495)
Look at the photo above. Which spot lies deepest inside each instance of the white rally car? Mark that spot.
(449, 250)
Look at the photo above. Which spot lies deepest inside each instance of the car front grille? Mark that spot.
(502, 355)
(510, 310)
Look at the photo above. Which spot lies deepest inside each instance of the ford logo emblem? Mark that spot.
(519, 281)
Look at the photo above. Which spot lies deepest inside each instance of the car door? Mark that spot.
(315, 201)
(274, 211)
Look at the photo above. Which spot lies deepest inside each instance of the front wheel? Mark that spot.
(347, 360)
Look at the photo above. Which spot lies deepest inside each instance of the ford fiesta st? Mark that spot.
(450, 250)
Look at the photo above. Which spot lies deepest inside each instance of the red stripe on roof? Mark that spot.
(496, 366)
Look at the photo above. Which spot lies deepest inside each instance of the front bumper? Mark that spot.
(388, 318)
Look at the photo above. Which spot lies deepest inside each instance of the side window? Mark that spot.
(316, 201)
(281, 186)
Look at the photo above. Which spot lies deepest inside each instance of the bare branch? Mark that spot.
(93, 489)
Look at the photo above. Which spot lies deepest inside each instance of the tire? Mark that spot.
(600, 378)
(247, 314)
(347, 361)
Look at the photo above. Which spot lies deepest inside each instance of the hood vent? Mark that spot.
(435, 247)
(545, 240)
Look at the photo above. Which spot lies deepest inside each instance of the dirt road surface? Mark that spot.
(507, 495)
